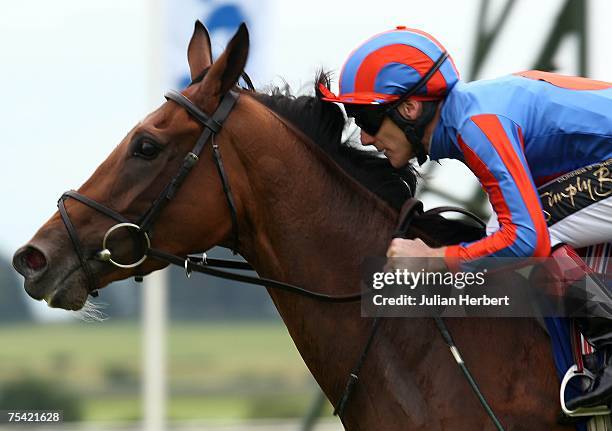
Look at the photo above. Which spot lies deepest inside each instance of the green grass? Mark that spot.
(215, 370)
(220, 407)
(112, 409)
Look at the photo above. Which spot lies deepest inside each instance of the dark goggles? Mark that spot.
(368, 118)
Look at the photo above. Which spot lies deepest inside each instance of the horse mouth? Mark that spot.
(69, 290)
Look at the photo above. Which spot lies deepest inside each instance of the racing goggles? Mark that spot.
(368, 118)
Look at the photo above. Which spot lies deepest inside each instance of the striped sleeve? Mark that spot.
(492, 148)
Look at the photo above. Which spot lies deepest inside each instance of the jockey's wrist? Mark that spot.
(439, 263)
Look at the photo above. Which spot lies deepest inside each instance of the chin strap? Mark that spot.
(415, 129)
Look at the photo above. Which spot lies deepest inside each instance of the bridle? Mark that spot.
(212, 125)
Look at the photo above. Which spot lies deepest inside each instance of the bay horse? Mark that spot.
(301, 219)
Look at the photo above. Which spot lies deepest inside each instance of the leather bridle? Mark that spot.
(198, 263)
(144, 227)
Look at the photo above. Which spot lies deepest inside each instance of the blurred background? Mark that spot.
(201, 353)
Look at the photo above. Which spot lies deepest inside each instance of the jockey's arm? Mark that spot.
(492, 148)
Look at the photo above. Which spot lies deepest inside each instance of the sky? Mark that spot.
(77, 75)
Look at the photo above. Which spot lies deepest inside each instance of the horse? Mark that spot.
(303, 216)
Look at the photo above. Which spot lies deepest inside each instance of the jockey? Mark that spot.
(516, 134)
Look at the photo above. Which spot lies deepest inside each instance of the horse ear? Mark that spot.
(225, 72)
(199, 53)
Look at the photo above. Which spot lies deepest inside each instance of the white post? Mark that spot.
(155, 288)
(154, 332)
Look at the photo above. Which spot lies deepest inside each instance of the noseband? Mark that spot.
(144, 227)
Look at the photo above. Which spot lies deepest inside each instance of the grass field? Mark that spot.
(215, 370)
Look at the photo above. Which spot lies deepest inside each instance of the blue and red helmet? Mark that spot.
(393, 64)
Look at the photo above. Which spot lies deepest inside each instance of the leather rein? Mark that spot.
(143, 229)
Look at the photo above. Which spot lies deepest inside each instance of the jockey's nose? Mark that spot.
(367, 139)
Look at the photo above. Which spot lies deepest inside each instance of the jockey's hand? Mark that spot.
(413, 248)
(417, 248)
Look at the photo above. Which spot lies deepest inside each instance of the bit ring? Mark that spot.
(105, 253)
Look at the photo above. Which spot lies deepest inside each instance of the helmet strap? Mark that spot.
(415, 129)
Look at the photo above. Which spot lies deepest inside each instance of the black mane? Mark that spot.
(324, 123)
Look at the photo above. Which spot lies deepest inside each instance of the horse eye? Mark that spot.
(146, 149)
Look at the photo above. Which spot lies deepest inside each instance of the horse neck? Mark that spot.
(304, 212)
(311, 225)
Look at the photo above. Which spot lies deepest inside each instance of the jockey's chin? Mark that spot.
(398, 161)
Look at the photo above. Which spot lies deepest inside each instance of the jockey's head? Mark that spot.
(391, 85)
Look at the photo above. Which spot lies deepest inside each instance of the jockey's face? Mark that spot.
(381, 132)
(386, 136)
(391, 140)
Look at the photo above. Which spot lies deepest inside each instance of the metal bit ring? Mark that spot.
(105, 253)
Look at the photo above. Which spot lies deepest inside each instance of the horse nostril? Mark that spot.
(29, 261)
(35, 260)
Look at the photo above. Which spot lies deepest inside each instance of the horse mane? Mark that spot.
(324, 123)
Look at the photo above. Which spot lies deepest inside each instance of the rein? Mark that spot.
(409, 211)
(205, 265)
(407, 214)
(144, 230)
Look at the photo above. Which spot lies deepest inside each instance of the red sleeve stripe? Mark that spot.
(495, 133)
(506, 235)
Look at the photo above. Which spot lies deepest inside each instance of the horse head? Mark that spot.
(64, 261)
